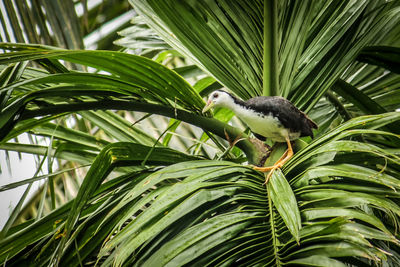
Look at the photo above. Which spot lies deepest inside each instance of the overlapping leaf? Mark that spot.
(317, 41)
(341, 188)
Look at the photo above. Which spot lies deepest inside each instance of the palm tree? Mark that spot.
(149, 201)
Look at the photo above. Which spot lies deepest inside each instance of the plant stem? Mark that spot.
(208, 124)
(270, 58)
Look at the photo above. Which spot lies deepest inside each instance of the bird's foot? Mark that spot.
(270, 170)
(263, 169)
(235, 141)
(281, 161)
(277, 165)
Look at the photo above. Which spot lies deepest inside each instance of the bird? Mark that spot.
(272, 117)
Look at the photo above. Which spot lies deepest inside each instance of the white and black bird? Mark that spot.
(272, 117)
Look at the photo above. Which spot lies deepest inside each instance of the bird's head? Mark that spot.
(218, 98)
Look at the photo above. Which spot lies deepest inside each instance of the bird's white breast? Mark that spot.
(265, 125)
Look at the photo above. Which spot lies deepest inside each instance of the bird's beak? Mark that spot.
(209, 105)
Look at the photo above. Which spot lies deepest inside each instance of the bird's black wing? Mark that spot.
(291, 117)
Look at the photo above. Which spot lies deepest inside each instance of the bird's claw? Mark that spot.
(268, 176)
(270, 171)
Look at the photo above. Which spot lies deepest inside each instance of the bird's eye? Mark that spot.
(215, 95)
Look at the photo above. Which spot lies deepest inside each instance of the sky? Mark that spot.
(20, 169)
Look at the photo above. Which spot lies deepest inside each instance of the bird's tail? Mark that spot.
(312, 123)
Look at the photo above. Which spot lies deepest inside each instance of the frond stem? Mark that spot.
(208, 124)
(270, 58)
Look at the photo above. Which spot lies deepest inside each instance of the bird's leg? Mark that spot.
(235, 141)
(289, 154)
(231, 144)
(281, 161)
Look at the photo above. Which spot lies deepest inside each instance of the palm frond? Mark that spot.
(143, 197)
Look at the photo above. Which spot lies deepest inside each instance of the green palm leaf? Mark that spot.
(145, 201)
(331, 30)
